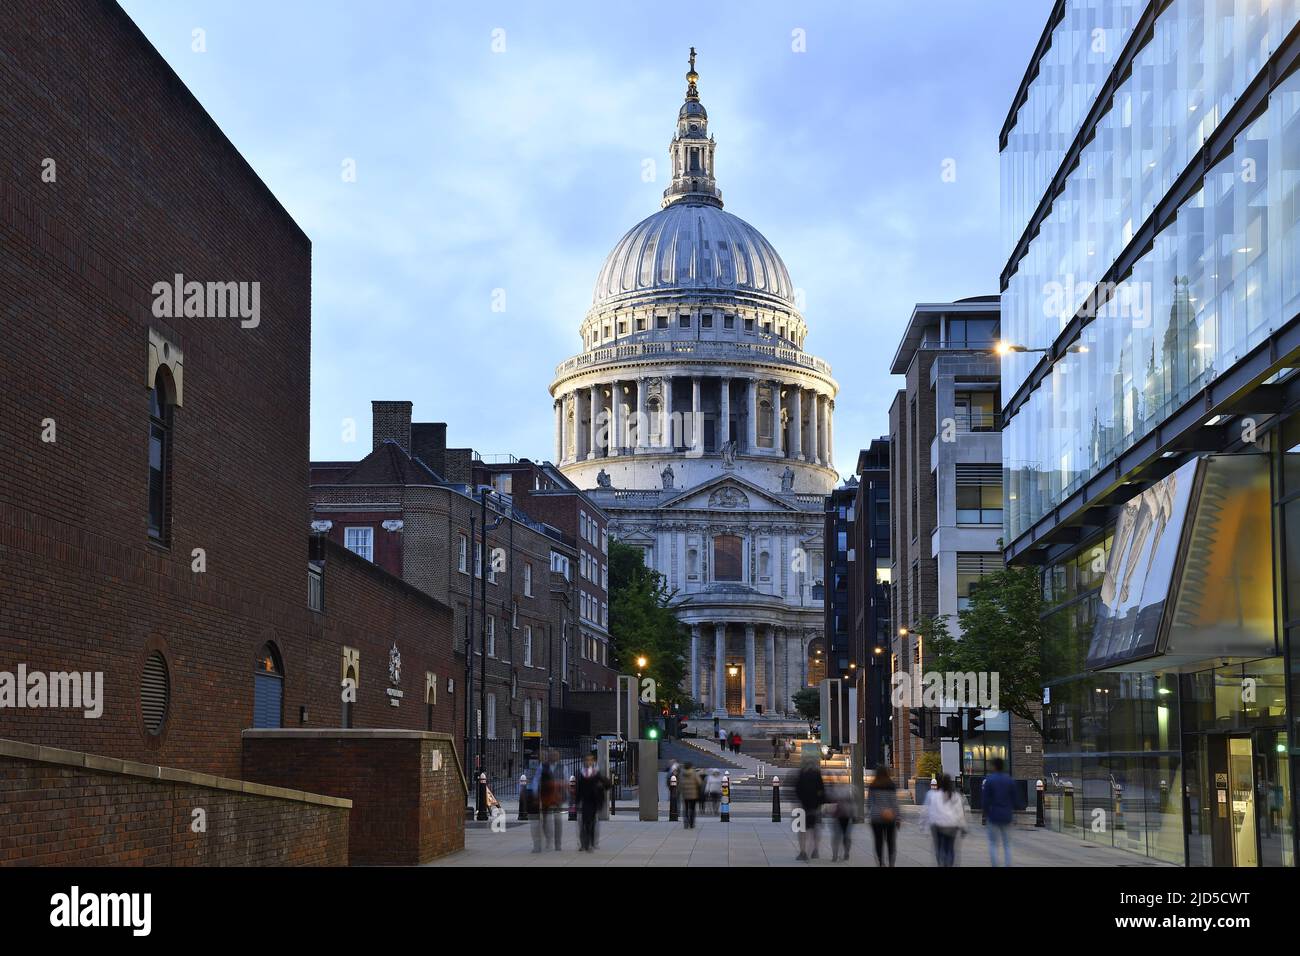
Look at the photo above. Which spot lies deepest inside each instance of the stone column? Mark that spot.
(720, 670)
(697, 430)
(593, 446)
(724, 411)
(642, 432)
(830, 432)
(796, 423)
(666, 437)
(695, 663)
(769, 668)
(778, 433)
(814, 431)
(751, 436)
(559, 429)
(751, 671)
(616, 414)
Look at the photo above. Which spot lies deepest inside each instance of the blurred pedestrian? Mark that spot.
(842, 827)
(688, 785)
(735, 741)
(723, 737)
(945, 813)
(810, 790)
(998, 807)
(543, 803)
(776, 746)
(591, 786)
(713, 790)
(882, 811)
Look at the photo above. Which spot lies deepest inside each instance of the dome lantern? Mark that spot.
(691, 151)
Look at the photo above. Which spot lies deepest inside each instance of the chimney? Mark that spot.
(429, 444)
(391, 421)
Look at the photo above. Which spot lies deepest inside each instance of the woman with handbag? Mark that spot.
(882, 811)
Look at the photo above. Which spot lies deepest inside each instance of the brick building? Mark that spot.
(543, 492)
(153, 503)
(396, 508)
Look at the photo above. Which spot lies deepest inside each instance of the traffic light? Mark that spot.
(976, 722)
(652, 732)
(917, 718)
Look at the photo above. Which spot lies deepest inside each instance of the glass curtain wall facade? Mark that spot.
(1151, 215)
(1218, 278)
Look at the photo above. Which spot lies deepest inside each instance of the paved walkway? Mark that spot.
(752, 839)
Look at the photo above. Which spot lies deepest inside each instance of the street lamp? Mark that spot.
(1006, 348)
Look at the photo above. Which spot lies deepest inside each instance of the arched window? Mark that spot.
(692, 561)
(268, 687)
(348, 703)
(765, 564)
(161, 399)
(727, 558)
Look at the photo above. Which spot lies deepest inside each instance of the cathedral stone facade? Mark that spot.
(704, 430)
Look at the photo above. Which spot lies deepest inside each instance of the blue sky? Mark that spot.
(519, 170)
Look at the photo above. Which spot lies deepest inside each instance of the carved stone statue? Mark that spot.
(602, 479)
(667, 476)
(787, 479)
(729, 454)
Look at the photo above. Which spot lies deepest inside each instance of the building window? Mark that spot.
(491, 636)
(537, 716)
(975, 411)
(971, 569)
(661, 321)
(972, 333)
(528, 645)
(749, 325)
(727, 557)
(462, 554)
(268, 687)
(979, 494)
(478, 559)
(360, 541)
(729, 322)
(491, 731)
(684, 321)
(155, 693)
(315, 586)
(706, 320)
(160, 457)
(528, 579)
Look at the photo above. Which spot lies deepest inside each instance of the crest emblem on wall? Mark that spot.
(394, 665)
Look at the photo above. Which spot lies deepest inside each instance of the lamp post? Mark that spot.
(484, 558)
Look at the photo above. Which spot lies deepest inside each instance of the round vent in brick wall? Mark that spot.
(154, 693)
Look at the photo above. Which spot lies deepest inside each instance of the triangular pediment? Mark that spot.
(726, 493)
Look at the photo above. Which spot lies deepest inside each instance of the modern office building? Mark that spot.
(855, 635)
(869, 595)
(1150, 171)
(946, 524)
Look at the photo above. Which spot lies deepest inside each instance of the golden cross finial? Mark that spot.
(692, 59)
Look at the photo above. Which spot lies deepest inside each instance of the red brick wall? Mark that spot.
(147, 186)
(404, 811)
(62, 815)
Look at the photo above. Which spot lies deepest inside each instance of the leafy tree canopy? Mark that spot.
(643, 623)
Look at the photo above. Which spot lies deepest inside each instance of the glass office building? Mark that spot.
(1151, 445)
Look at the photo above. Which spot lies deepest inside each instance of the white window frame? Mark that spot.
(491, 732)
(528, 645)
(351, 545)
(462, 552)
(528, 579)
(491, 636)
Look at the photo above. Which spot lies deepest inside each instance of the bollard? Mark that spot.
(934, 782)
(482, 813)
(672, 798)
(776, 799)
(573, 797)
(523, 797)
(724, 813)
(613, 790)
(1038, 810)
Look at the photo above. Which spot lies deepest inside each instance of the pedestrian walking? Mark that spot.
(842, 829)
(945, 813)
(591, 786)
(882, 811)
(998, 807)
(713, 790)
(776, 746)
(723, 737)
(688, 785)
(735, 741)
(810, 790)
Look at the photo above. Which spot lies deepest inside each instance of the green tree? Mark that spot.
(808, 703)
(1002, 632)
(643, 623)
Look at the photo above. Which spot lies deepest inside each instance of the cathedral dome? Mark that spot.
(688, 246)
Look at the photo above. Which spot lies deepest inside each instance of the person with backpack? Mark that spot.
(882, 811)
(998, 799)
